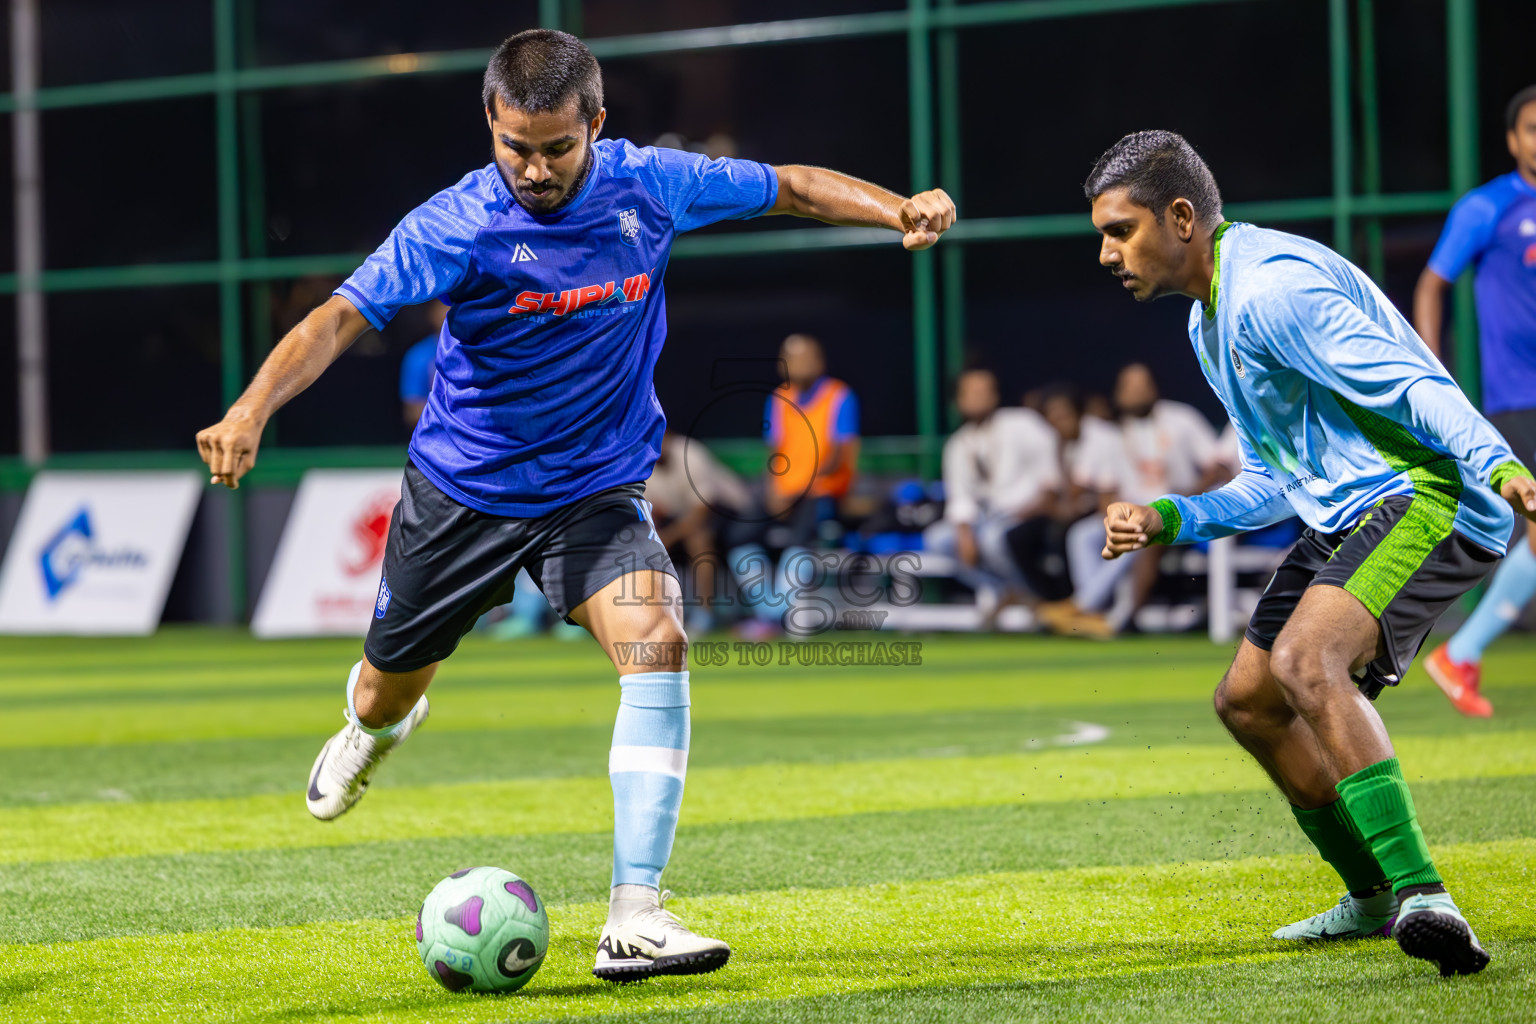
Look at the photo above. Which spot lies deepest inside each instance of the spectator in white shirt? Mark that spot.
(1000, 467)
(1172, 449)
(1094, 472)
(1172, 446)
(1097, 471)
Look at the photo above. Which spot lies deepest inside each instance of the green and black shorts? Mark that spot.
(1400, 560)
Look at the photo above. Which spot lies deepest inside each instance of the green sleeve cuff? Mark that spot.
(1172, 521)
(1505, 471)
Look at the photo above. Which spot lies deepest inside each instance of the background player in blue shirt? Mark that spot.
(1493, 228)
(1346, 420)
(540, 430)
(417, 368)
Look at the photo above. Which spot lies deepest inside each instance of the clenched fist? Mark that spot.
(1129, 527)
(229, 447)
(925, 217)
(1520, 492)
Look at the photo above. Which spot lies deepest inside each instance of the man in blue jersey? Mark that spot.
(1494, 229)
(540, 430)
(1347, 420)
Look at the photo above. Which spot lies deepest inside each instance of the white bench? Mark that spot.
(1228, 604)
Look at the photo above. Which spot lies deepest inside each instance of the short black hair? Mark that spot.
(1157, 167)
(1518, 101)
(1062, 390)
(542, 70)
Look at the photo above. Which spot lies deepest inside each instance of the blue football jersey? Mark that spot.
(1493, 227)
(544, 391)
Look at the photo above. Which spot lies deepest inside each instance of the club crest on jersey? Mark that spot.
(1237, 361)
(629, 225)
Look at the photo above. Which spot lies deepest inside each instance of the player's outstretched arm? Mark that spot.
(835, 198)
(229, 446)
(1249, 501)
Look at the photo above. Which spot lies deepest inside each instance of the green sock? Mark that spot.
(1340, 843)
(1378, 800)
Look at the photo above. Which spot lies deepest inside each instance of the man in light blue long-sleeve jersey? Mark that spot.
(1347, 421)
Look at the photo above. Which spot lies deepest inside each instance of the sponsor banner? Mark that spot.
(94, 553)
(325, 578)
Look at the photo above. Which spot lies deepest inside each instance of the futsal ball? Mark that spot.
(482, 929)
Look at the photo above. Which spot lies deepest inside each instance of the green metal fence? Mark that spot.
(938, 301)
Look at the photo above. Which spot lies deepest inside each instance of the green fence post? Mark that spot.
(1461, 78)
(1370, 130)
(231, 351)
(952, 254)
(253, 169)
(1338, 68)
(549, 13)
(925, 327)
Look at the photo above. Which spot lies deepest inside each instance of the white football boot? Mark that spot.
(347, 762)
(642, 939)
(1348, 919)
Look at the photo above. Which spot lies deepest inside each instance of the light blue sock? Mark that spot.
(1512, 589)
(646, 767)
(352, 707)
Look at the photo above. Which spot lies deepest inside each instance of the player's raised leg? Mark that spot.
(637, 621)
(383, 709)
(1253, 707)
(1332, 635)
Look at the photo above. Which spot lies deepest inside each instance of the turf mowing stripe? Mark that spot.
(207, 659)
(839, 692)
(520, 679)
(121, 722)
(1222, 992)
(758, 697)
(264, 888)
(1130, 923)
(31, 776)
(770, 792)
(142, 671)
(226, 768)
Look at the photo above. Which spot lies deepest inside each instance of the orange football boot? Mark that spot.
(1459, 681)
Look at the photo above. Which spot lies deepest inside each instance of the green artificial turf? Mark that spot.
(1016, 829)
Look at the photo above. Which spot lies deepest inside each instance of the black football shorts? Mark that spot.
(1405, 565)
(445, 565)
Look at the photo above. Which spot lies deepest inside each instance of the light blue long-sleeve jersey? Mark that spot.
(1337, 402)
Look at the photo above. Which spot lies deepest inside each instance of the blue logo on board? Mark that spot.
(629, 225)
(382, 604)
(73, 548)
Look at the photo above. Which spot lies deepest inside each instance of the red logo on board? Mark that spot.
(369, 531)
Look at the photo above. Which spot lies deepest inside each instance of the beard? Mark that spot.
(528, 199)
